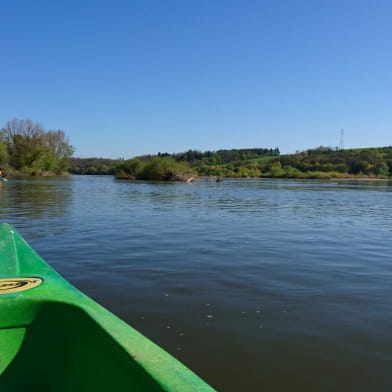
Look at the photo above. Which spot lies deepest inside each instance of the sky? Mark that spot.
(127, 78)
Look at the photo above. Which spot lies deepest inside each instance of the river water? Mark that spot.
(255, 284)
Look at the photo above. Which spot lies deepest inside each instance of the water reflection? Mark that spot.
(33, 204)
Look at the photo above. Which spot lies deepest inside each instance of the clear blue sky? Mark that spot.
(124, 78)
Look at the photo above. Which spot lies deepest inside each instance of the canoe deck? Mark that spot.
(55, 338)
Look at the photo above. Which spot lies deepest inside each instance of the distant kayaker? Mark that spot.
(2, 173)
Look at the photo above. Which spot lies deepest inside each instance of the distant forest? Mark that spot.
(321, 162)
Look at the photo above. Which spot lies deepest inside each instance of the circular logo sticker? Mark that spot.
(18, 284)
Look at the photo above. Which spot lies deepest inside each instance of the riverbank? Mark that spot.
(19, 173)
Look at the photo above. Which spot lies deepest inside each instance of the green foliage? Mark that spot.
(382, 169)
(163, 169)
(321, 162)
(324, 162)
(190, 163)
(27, 147)
(93, 165)
(131, 167)
(157, 168)
(220, 157)
(3, 148)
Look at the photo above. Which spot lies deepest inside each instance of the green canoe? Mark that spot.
(55, 338)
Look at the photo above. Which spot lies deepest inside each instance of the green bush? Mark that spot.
(156, 169)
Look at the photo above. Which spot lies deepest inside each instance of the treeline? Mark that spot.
(28, 148)
(196, 161)
(92, 165)
(221, 156)
(321, 162)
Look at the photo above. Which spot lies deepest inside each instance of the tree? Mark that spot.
(59, 148)
(3, 147)
(382, 169)
(31, 149)
(25, 142)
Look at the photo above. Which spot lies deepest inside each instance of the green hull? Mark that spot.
(54, 338)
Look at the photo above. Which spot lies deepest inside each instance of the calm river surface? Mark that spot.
(256, 285)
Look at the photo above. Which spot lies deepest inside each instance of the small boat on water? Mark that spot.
(54, 338)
